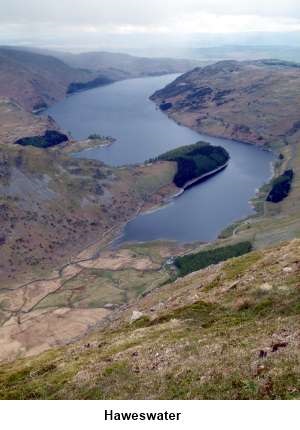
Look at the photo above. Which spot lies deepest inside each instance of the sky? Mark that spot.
(119, 23)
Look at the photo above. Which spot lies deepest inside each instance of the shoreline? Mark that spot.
(168, 199)
(67, 95)
(205, 176)
(216, 136)
(75, 147)
(273, 151)
(187, 186)
(165, 202)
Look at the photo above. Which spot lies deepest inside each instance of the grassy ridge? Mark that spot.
(200, 260)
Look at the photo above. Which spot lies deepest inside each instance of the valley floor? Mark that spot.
(53, 311)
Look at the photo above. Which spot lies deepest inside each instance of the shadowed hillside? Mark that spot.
(36, 81)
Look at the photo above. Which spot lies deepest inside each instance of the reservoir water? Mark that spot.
(123, 110)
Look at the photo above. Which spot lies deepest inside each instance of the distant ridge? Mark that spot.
(37, 78)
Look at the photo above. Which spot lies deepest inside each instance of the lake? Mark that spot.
(123, 110)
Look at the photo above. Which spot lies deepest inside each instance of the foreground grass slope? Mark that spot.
(230, 331)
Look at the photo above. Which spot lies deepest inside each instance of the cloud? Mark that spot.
(136, 12)
(214, 23)
(43, 20)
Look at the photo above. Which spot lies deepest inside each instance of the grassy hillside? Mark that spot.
(251, 101)
(51, 203)
(230, 331)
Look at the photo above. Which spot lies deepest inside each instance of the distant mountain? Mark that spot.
(242, 53)
(37, 78)
(128, 64)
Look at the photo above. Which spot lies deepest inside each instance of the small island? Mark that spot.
(196, 162)
(102, 140)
